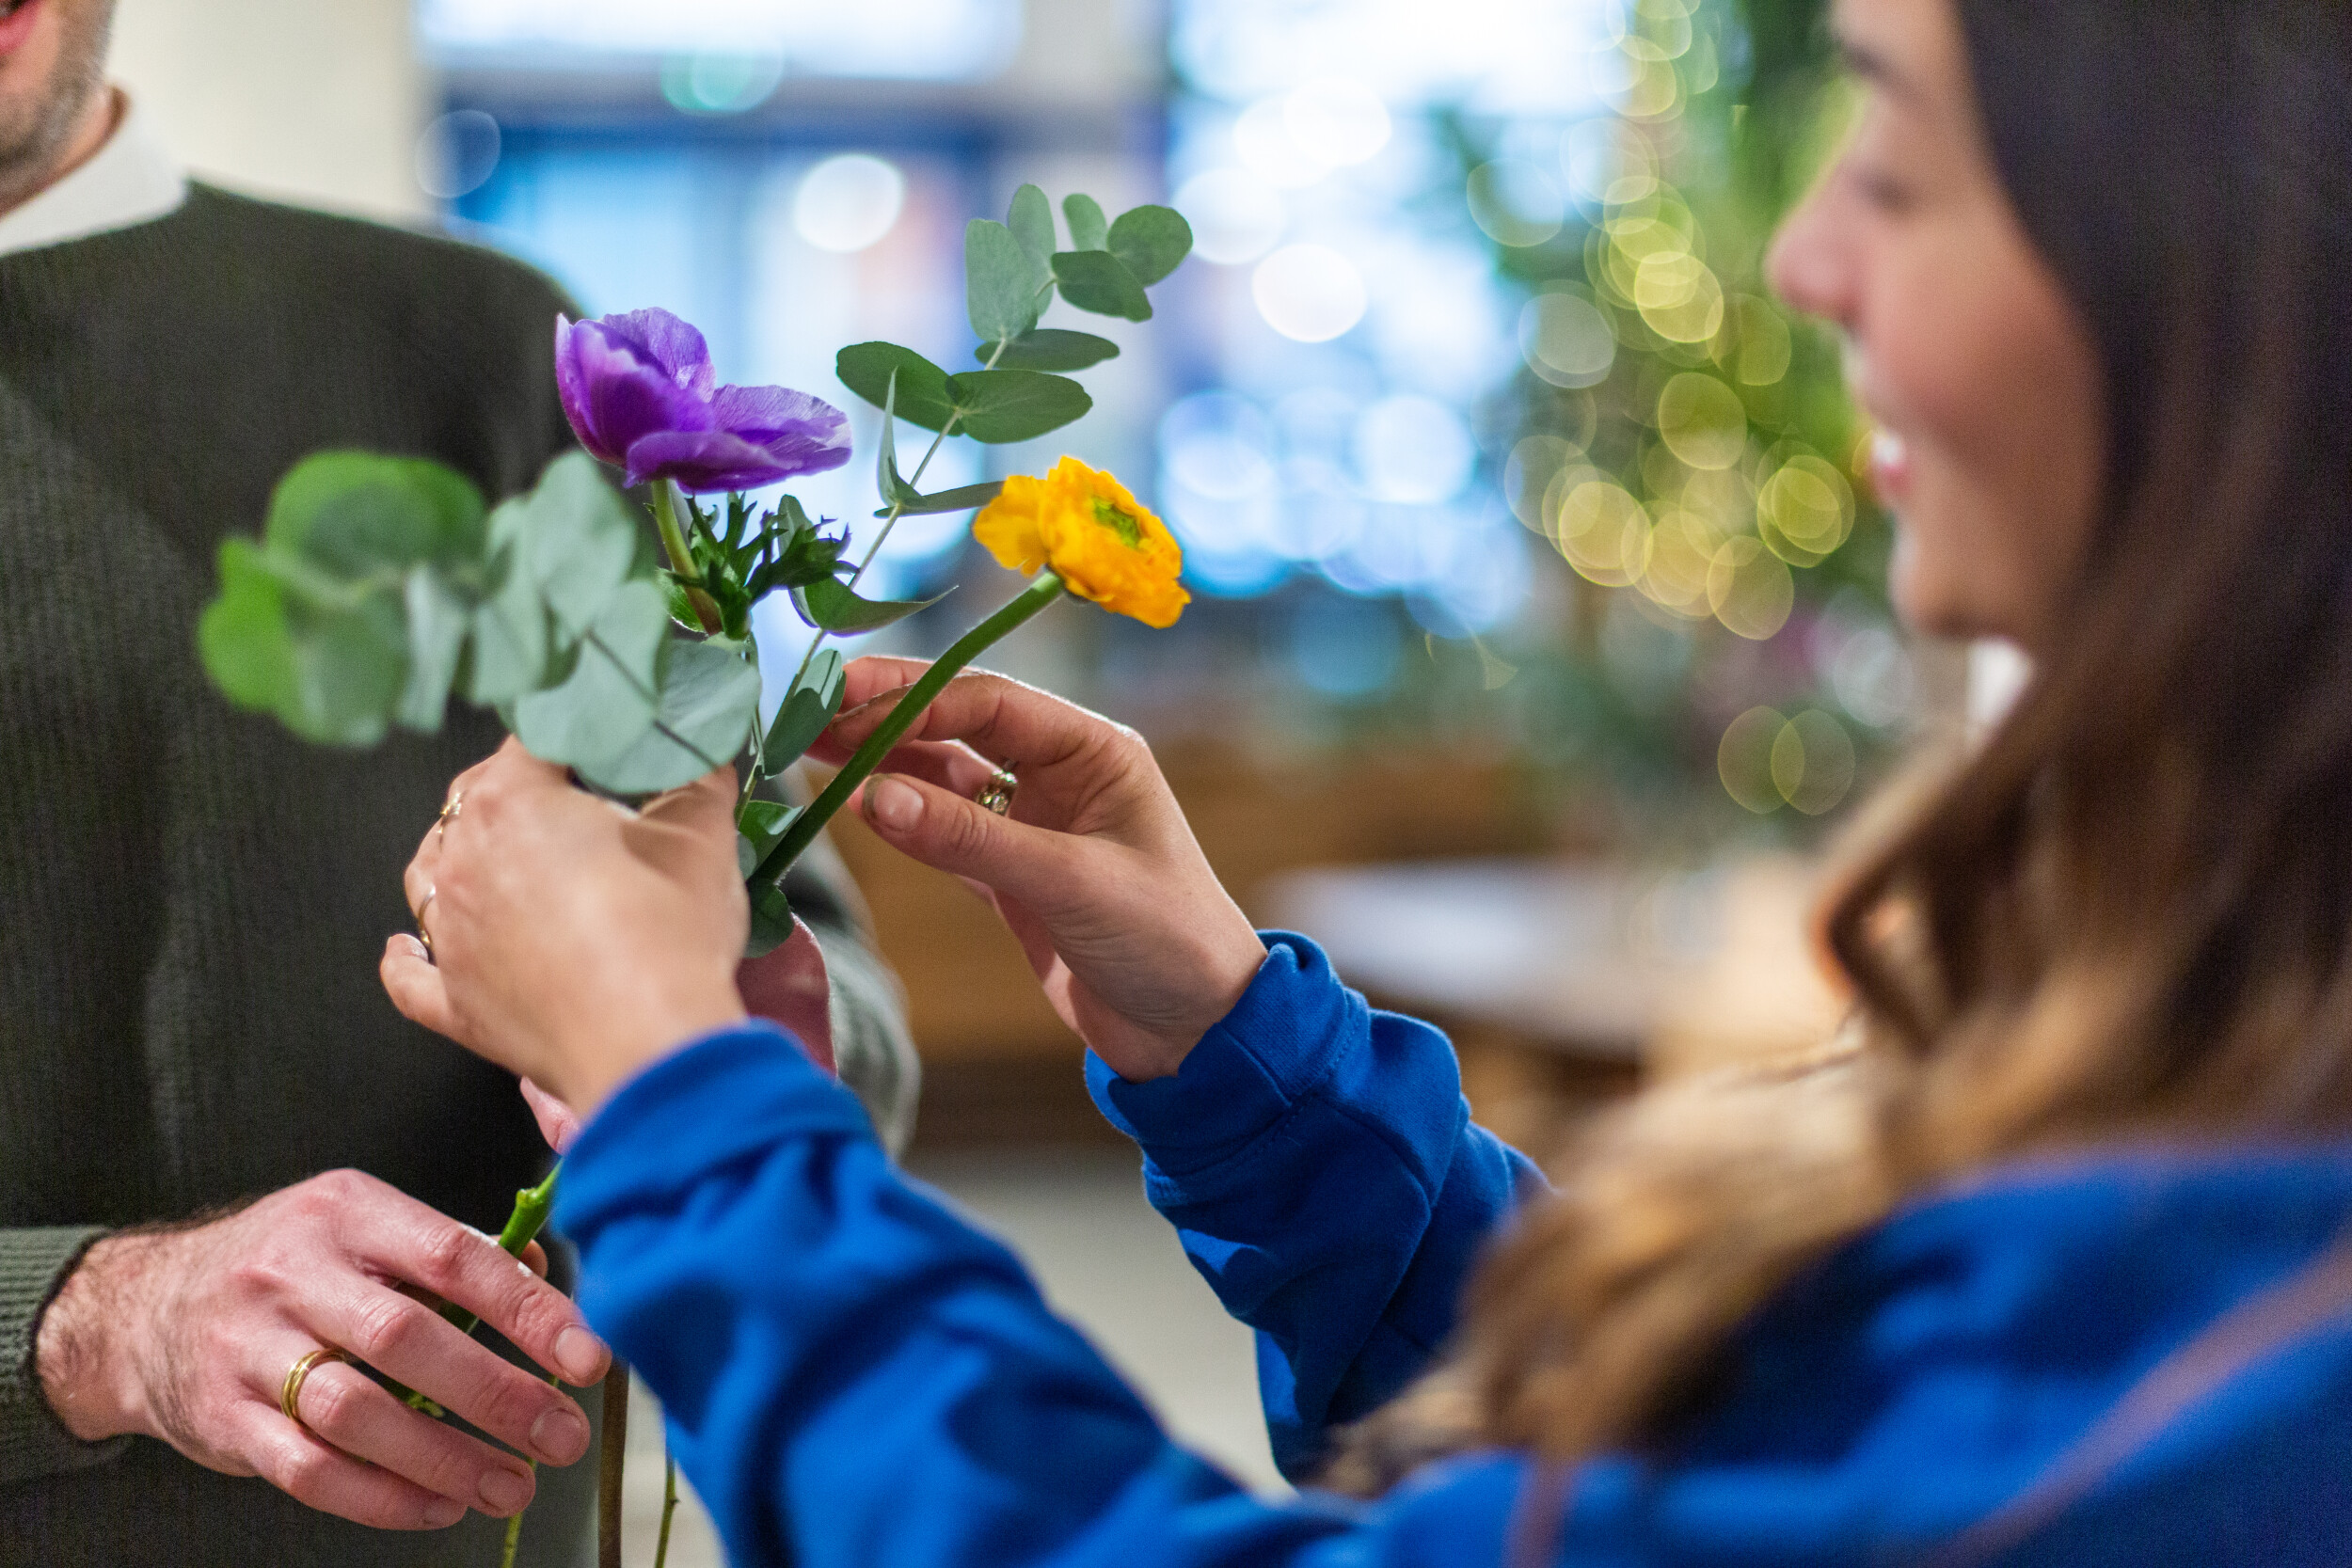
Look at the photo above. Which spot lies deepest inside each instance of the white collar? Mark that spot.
(129, 181)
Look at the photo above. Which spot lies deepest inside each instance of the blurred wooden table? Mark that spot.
(1565, 983)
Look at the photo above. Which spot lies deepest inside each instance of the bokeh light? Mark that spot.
(1309, 293)
(1235, 216)
(847, 203)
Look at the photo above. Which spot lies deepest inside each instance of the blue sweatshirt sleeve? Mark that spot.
(1317, 1158)
(855, 1378)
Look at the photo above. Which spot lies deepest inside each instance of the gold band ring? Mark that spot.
(423, 935)
(997, 795)
(450, 809)
(290, 1393)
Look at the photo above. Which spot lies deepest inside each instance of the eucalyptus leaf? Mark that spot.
(606, 705)
(362, 514)
(895, 491)
(350, 663)
(1004, 286)
(508, 655)
(922, 398)
(578, 543)
(709, 699)
(1098, 281)
(1016, 405)
(1152, 241)
(965, 498)
(759, 827)
(326, 656)
(242, 636)
(438, 620)
(1087, 228)
(804, 714)
(771, 919)
(1031, 220)
(831, 606)
(1048, 348)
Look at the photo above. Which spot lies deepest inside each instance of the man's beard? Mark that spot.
(32, 134)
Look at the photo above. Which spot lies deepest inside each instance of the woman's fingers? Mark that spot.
(558, 1122)
(951, 765)
(415, 986)
(997, 717)
(352, 1413)
(954, 833)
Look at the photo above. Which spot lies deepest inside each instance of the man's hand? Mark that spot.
(187, 1336)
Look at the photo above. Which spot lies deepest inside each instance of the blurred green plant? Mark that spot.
(1683, 442)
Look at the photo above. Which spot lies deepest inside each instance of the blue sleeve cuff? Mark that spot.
(730, 1095)
(1280, 1041)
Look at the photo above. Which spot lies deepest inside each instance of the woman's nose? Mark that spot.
(1809, 265)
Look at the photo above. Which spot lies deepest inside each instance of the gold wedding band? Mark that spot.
(997, 795)
(450, 809)
(423, 935)
(290, 1395)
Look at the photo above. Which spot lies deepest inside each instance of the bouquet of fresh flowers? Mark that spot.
(382, 585)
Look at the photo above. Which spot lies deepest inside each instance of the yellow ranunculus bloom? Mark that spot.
(1097, 538)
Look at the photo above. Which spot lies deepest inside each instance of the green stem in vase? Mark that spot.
(809, 823)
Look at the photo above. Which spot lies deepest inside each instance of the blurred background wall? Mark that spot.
(309, 101)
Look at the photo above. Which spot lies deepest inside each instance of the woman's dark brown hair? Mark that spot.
(2129, 913)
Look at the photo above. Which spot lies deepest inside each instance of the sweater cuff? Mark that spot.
(1280, 1040)
(729, 1096)
(34, 1264)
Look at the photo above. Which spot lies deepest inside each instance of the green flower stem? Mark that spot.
(681, 558)
(897, 507)
(531, 1206)
(611, 1462)
(809, 823)
(669, 1507)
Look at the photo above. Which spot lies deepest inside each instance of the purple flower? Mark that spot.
(638, 389)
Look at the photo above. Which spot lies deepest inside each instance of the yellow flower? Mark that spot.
(1098, 539)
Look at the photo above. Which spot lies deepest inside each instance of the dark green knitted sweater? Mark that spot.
(193, 902)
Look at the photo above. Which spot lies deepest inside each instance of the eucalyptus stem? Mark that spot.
(668, 1506)
(665, 498)
(809, 823)
(897, 507)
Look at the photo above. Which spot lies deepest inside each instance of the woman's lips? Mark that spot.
(1890, 465)
(17, 17)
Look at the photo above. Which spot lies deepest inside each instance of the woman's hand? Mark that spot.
(1094, 869)
(574, 942)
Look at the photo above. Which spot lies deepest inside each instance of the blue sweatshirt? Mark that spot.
(856, 1378)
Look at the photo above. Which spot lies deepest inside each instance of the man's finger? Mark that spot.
(405, 1240)
(311, 1471)
(415, 986)
(411, 1343)
(344, 1408)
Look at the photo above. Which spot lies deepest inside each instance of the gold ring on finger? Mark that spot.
(289, 1392)
(997, 795)
(451, 810)
(423, 935)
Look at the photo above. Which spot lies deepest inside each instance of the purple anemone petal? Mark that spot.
(571, 387)
(805, 433)
(627, 398)
(673, 346)
(704, 461)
